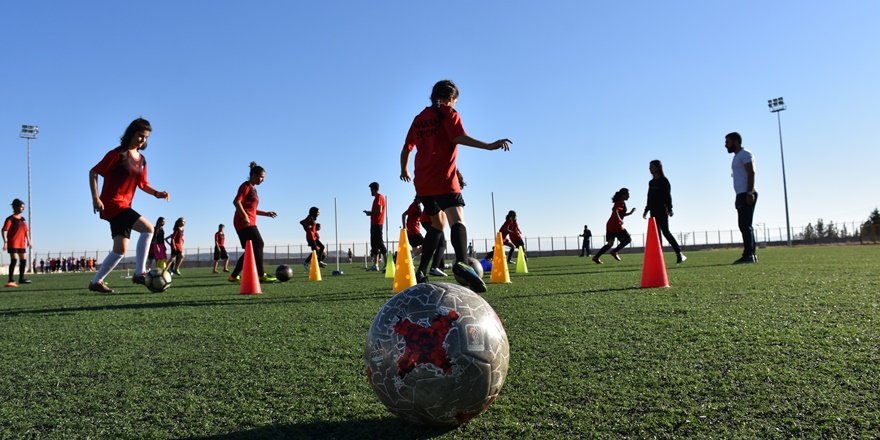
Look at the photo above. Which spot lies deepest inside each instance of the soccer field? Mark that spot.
(789, 347)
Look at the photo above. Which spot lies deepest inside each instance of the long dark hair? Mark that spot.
(618, 196)
(659, 166)
(178, 223)
(136, 126)
(444, 90)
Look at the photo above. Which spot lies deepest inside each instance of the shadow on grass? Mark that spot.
(387, 428)
(575, 292)
(234, 300)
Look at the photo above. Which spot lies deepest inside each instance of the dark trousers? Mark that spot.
(253, 234)
(745, 213)
(585, 250)
(377, 242)
(662, 221)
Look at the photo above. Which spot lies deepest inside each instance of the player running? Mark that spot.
(124, 169)
(614, 227)
(16, 239)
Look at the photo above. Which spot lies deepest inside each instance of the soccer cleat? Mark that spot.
(225, 270)
(23, 281)
(100, 287)
(596, 259)
(215, 271)
(322, 264)
(464, 271)
(746, 260)
(266, 278)
(139, 279)
(10, 284)
(373, 268)
(437, 272)
(421, 278)
(233, 279)
(681, 258)
(615, 255)
(177, 272)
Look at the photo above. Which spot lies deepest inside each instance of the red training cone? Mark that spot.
(653, 266)
(250, 281)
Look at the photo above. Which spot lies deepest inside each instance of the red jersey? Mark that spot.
(413, 217)
(247, 196)
(377, 216)
(16, 232)
(122, 175)
(219, 239)
(177, 240)
(512, 228)
(435, 161)
(615, 222)
(308, 224)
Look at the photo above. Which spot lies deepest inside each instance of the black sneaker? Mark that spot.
(139, 279)
(421, 278)
(23, 281)
(468, 274)
(745, 260)
(100, 287)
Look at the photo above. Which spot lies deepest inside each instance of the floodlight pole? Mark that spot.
(777, 105)
(29, 132)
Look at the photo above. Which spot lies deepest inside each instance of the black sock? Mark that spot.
(12, 262)
(21, 268)
(510, 254)
(432, 239)
(459, 242)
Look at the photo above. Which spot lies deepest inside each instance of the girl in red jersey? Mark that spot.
(410, 221)
(124, 170)
(512, 235)
(176, 242)
(614, 227)
(436, 132)
(310, 225)
(16, 238)
(220, 249)
(245, 221)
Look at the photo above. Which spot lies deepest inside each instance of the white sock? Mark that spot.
(140, 259)
(107, 266)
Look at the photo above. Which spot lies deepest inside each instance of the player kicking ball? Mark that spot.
(436, 132)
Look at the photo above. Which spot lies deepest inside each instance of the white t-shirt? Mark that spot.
(740, 177)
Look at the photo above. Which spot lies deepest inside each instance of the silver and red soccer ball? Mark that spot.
(437, 354)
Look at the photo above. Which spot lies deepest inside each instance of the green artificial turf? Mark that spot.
(789, 347)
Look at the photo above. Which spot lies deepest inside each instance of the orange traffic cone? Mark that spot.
(653, 266)
(314, 268)
(405, 271)
(500, 272)
(250, 281)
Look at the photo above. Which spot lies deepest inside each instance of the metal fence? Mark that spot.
(535, 246)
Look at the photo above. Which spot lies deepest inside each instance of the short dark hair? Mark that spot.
(735, 136)
(138, 125)
(313, 211)
(16, 203)
(374, 185)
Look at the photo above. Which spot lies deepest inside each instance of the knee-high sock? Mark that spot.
(12, 262)
(432, 239)
(107, 266)
(21, 268)
(459, 242)
(510, 254)
(140, 259)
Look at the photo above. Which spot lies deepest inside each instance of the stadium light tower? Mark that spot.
(777, 105)
(29, 132)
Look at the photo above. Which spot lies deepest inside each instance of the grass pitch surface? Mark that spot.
(789, 347)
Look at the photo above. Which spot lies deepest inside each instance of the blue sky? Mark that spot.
(322, 94)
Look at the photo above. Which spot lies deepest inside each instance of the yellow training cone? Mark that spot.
(521, 266)
(314, 268)
(405, 276)
(500, 273)
(389, 265)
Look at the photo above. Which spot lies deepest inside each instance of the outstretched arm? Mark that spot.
(503, 144)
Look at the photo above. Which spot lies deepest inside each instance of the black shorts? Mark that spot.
(622, 236)
(176, 253)
(435, 204)
(415, 240)
(15, 251)
(220, 253)
(122, 223)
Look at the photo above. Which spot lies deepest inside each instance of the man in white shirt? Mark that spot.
(743, 167)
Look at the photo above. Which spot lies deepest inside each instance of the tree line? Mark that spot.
(831, 231)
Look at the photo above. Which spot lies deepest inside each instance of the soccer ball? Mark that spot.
(437, 354)
(475, 264)
(284, 273)
(157, 280)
